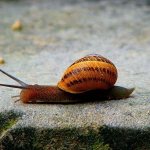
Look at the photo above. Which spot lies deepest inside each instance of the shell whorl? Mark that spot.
(89, 73)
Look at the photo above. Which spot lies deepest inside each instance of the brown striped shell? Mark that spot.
(89, 73)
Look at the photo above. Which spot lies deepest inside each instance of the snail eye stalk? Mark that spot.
(23, 85)
(13, 86)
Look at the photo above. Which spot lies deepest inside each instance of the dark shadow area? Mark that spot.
(105, 138)
(126, 138)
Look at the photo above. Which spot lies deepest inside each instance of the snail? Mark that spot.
(87, 79)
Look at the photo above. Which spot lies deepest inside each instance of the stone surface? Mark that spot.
(54, 35)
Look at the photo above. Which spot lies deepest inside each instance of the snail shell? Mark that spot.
(89, 73)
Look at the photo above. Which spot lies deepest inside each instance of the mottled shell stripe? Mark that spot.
(78, 70)
(88, 75)
(93, 58)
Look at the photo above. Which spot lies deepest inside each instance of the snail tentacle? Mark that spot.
(23, 84)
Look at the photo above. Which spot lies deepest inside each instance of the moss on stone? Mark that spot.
(100, 146)
(8, 125)
(7, 120)
(105, 138)
(62, 139)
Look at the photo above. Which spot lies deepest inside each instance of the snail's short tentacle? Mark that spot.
(15, 96)
(17, 100)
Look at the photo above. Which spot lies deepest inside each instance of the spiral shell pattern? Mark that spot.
(89, 73)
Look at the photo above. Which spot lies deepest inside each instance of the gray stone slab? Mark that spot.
(57, 33)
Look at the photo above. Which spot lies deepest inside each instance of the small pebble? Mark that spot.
(2, 61)
(17, 25)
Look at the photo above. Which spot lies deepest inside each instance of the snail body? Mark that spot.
(87, 79)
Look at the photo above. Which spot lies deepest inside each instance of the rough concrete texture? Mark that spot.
(54, 34)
